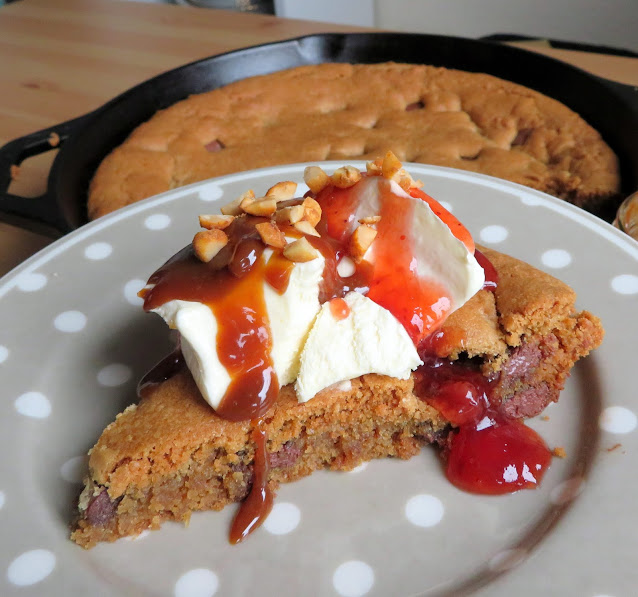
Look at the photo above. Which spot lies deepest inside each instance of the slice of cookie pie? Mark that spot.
(356, 322)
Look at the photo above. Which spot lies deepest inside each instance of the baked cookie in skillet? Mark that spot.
(312, 113)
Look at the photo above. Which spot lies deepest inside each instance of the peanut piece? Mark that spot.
(233, 208)
(391, 165)
(265, 206)
(300, 251)
(346, 267)
(315, 178)
(360, 241)
(208, 243)
(405, 182)
(282, 190)
(311, 211)
(346, 176)
(271, 235)
(290, 215)
(214, 221)
(374, 168)
(370, 220)
(246, 199)
(306, 228)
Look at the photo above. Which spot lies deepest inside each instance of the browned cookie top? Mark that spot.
(321, 112)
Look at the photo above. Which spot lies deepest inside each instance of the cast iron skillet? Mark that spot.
(609, 107)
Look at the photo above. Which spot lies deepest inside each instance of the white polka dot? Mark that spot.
(70, 321)
(2, 499)
(494, 234)
(157, 222)
(199, 582)
(506, 560)
(114, 375)
(362, 467)
(283, 518)
(31, 567)
(131, 289)
(211, 193)
(625, 284)
(424, 510)
(556, 258)
(31, 282)
(605, 595)
(567, 491)
(446, 205)
(98, 251)
(74, 469)
(618, 419)
(33, 404)
(353, 578)
(4, 354)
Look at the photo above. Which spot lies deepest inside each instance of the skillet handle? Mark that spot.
(40, 214)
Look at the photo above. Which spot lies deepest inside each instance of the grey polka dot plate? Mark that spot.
(74, 340)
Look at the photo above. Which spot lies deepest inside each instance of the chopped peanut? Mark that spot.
(208, 243)
(374, 168)
(246, 199)
(291, 214)
(346, 267)
(360, 241)
(405, 182)
(315, 178)
(391, 165)
(306, 228)
(265, 206)
(370, 220)
(214, 221)
(312, 211)
(346, 176)
(271, 235)
(300, 251)
(282, 190)
(233, 208)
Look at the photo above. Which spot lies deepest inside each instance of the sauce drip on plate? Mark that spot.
(490, 453)
(256, 507)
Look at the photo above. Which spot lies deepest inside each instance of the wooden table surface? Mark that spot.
(63, 58)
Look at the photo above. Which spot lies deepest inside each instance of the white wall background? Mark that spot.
(599, 22)
(603, 22)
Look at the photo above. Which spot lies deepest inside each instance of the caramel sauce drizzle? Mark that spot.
(256, 507)
(231, 286)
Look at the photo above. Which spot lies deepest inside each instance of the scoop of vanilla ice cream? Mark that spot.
(369, 339)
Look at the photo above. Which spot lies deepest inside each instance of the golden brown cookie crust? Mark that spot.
(312, 113)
